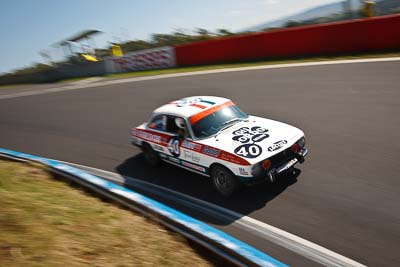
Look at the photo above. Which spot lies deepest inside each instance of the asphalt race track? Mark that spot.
(346, 197)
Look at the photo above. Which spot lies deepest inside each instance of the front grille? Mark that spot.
(282, 157)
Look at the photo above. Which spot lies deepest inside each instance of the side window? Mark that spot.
(177, 125)
(159, 123)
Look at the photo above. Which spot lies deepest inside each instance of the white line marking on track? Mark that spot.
(268, 232)
(203, 72)
(88, 80)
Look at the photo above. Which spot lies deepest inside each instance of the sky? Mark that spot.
(30, 26)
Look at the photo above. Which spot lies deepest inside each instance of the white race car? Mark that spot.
(211, 136)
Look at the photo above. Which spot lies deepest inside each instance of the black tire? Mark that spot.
(151, 156)
(224, 181)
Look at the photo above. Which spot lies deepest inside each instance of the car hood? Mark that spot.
(255, 139)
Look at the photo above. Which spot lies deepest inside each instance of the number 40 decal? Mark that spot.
(248, 150)
(173, 147)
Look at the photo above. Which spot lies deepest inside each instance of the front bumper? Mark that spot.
(271, 174)
(298, 158)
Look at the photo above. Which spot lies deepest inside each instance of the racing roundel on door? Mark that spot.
(249, 137)
(173, 146)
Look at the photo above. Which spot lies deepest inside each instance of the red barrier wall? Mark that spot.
(341, 37)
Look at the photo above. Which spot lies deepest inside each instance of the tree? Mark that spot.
(292, 23)
(201, 31)
(224, 32)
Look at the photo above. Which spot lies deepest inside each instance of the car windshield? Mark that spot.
(217, 121)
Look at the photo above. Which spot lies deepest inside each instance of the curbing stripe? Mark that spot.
(224, 240)
(268, 232)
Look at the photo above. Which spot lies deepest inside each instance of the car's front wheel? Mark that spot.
(225, 182)
(150, 155)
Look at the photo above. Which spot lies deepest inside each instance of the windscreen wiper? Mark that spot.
(228, 124)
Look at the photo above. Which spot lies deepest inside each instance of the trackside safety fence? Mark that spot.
(217, 241)
(354, 36)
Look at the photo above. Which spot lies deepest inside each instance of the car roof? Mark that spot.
(189, 106)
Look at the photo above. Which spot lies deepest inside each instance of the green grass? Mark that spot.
(144, 73)
(45, 222)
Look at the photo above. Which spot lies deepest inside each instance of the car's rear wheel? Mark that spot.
(150, 155)
(225, 182)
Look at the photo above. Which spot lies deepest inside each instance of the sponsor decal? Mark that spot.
(174, 160)
(147, 136)
(211, 151)
(254, 134)
(158, 148)
(232, 158)
(243, 171)
(187, 155)
(193, 166)
(248, 137)
(191, 145)
(156, 58)
(191, 156)
(195, 158)
(277, 145)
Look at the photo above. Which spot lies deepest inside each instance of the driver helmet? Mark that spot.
(180, 123)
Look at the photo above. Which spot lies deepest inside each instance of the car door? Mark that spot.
(176, 137)
(189, 151)
(177, 144)
(163, 136)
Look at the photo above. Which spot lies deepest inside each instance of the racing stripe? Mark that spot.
(195, 118)
(198, 106)
(208, 102)
(162, 140)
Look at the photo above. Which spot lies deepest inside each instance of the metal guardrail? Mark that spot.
(224, 245)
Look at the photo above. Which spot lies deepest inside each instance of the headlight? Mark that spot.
(302, 142)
